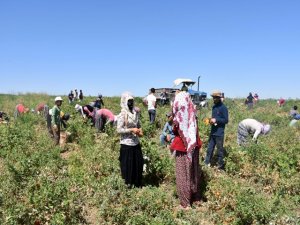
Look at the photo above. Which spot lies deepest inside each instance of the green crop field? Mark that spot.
(80, 182)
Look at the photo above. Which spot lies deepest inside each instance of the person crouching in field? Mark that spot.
(104, 117)
(56, 120)
(186, 145)
(131, 156)
(20, 109)
(251, 126)
(167, 135)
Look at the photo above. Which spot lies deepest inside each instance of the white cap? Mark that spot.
(58, 99)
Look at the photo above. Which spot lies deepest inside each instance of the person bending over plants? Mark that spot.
(253, 127)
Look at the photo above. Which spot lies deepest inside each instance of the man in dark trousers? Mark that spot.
(218, 121)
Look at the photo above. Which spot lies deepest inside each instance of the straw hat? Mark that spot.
(216, 93)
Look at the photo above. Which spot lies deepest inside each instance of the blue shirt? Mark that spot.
(220, 113)
(168, 129)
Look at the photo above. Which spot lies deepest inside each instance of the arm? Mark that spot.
(88, 111)
(224, 118)
(164, 131)
(121, 128)
(257, 132)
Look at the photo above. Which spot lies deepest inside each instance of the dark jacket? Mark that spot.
(220, 113)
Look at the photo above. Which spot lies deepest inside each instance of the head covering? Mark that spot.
(185, 118)
(78, 107)
(216, 93)
(124, 100)
(266, 128)
(58, 99)
(132, 115)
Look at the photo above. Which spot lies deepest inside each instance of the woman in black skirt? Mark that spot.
(131, 157)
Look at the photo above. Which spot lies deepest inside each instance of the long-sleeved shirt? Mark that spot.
(253, 127)
(168, 129)
(220, 113)
(127, 120)
(105, 113)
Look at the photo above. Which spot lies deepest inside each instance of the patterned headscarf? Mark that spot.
(185, 118)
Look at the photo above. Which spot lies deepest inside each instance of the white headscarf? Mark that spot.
(124, 99)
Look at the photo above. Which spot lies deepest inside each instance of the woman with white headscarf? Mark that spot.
(186, 144)
(131, 157)
(251, 126)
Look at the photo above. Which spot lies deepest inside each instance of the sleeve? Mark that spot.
(224, 118)
(88, 111)
(257, 132)
(121, 129)
(164, 132)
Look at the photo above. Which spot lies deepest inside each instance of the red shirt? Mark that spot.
(178, 143)
(40, 107)
(20, 108)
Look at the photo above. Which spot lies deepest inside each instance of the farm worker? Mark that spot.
(223, 97)
(40, 108)
(251, 126)
(163, 97)
(281, 102)
(186, 145)
(86, 111)
(104, 117)
(20, 109)
(294, 113)
(151, 102)
(80, 95)
(56, 120)
(99, 102)
(249, 101)
(167, 135)
(131, 156)
(218, 121)
(76, 94)
(256, 98)
(71, 97)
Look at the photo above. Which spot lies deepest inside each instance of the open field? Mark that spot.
(80, 183)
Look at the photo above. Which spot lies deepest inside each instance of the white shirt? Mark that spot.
(253, 126)
(151, 99)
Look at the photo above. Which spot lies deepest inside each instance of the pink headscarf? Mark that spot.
(185, 118)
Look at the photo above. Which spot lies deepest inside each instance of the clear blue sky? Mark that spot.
(111, 46)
